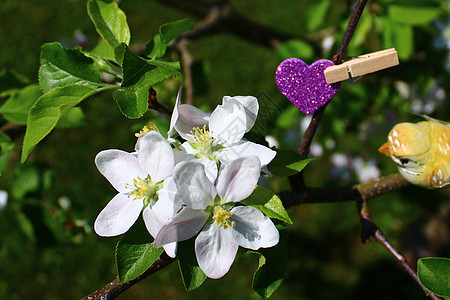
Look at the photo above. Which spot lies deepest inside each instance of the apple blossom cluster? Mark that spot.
(193, 188)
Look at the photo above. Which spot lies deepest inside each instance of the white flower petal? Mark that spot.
(228, 122)
(252, 229)
(118, 216)
(154, 221)
(155, 155)
(119, 167)
(188, 149)
(251, 108)
(167, 200)
(183, 226)
(175, 114)
(238, 179)
(189, 117)
(193, 186)
(215, 250)
(3, 199)
(246, 148)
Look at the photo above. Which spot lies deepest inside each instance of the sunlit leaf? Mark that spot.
(167, 32)
(61, 67)
(269, 203)
(296, 48)
(48, 109)
(138, 72)
(132, 104)
(16, 108)
(434, 273)
(110, 22)
(135, 252)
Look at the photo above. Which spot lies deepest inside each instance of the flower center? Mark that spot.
(221, 217)
(144, 189)
(203, 142)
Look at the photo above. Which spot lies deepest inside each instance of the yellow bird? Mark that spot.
(421, 151)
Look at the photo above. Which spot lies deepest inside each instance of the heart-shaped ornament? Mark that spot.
(305, 86)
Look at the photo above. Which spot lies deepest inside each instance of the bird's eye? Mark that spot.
(404, 161)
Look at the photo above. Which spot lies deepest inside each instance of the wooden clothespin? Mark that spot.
(362, 65)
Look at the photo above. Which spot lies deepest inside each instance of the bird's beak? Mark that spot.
(385, 149)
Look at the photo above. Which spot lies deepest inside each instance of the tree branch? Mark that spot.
(228, 19)
(115, 288)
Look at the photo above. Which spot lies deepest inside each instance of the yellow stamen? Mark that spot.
(201, 135)
(221, 217)
(141, 188)
(146, 129)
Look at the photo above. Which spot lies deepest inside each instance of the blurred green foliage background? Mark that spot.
(47, 246)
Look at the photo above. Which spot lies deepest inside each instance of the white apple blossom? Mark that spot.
(218, 136)
(206, 209)
(141, 179)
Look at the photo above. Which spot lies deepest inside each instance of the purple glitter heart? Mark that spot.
(305, 86)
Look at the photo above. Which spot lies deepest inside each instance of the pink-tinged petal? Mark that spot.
(168, 203)
(155, 155)
(215, 250)
(183, 226)
(175, 114)
(190, 117)
(193, 186)
(118, 216)
(154, 220)
(252, 229)
(119, 167)
(238, 179)
(251, 108)
(228, 123)
(245, 148)
(171, 249)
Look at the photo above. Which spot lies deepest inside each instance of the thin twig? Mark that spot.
(370, 229)
(154, 104)
(115, 288)
(297, 181)
(228, 19)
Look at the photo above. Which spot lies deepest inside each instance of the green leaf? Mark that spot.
(365, 25)
(61, 67)
(287, 163)
(16, 108)
(104, 50)
(138, 72)
(72, 119)
(414, 14)
(434, 274)
(272, 267)
(269, 203)
(47, 111)
(132, 104)
(316, 15)
(135, 252)
(167, 32)
(192, 275)
(399, 36)
(110, 22)
(6, 147)
(296, 48)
